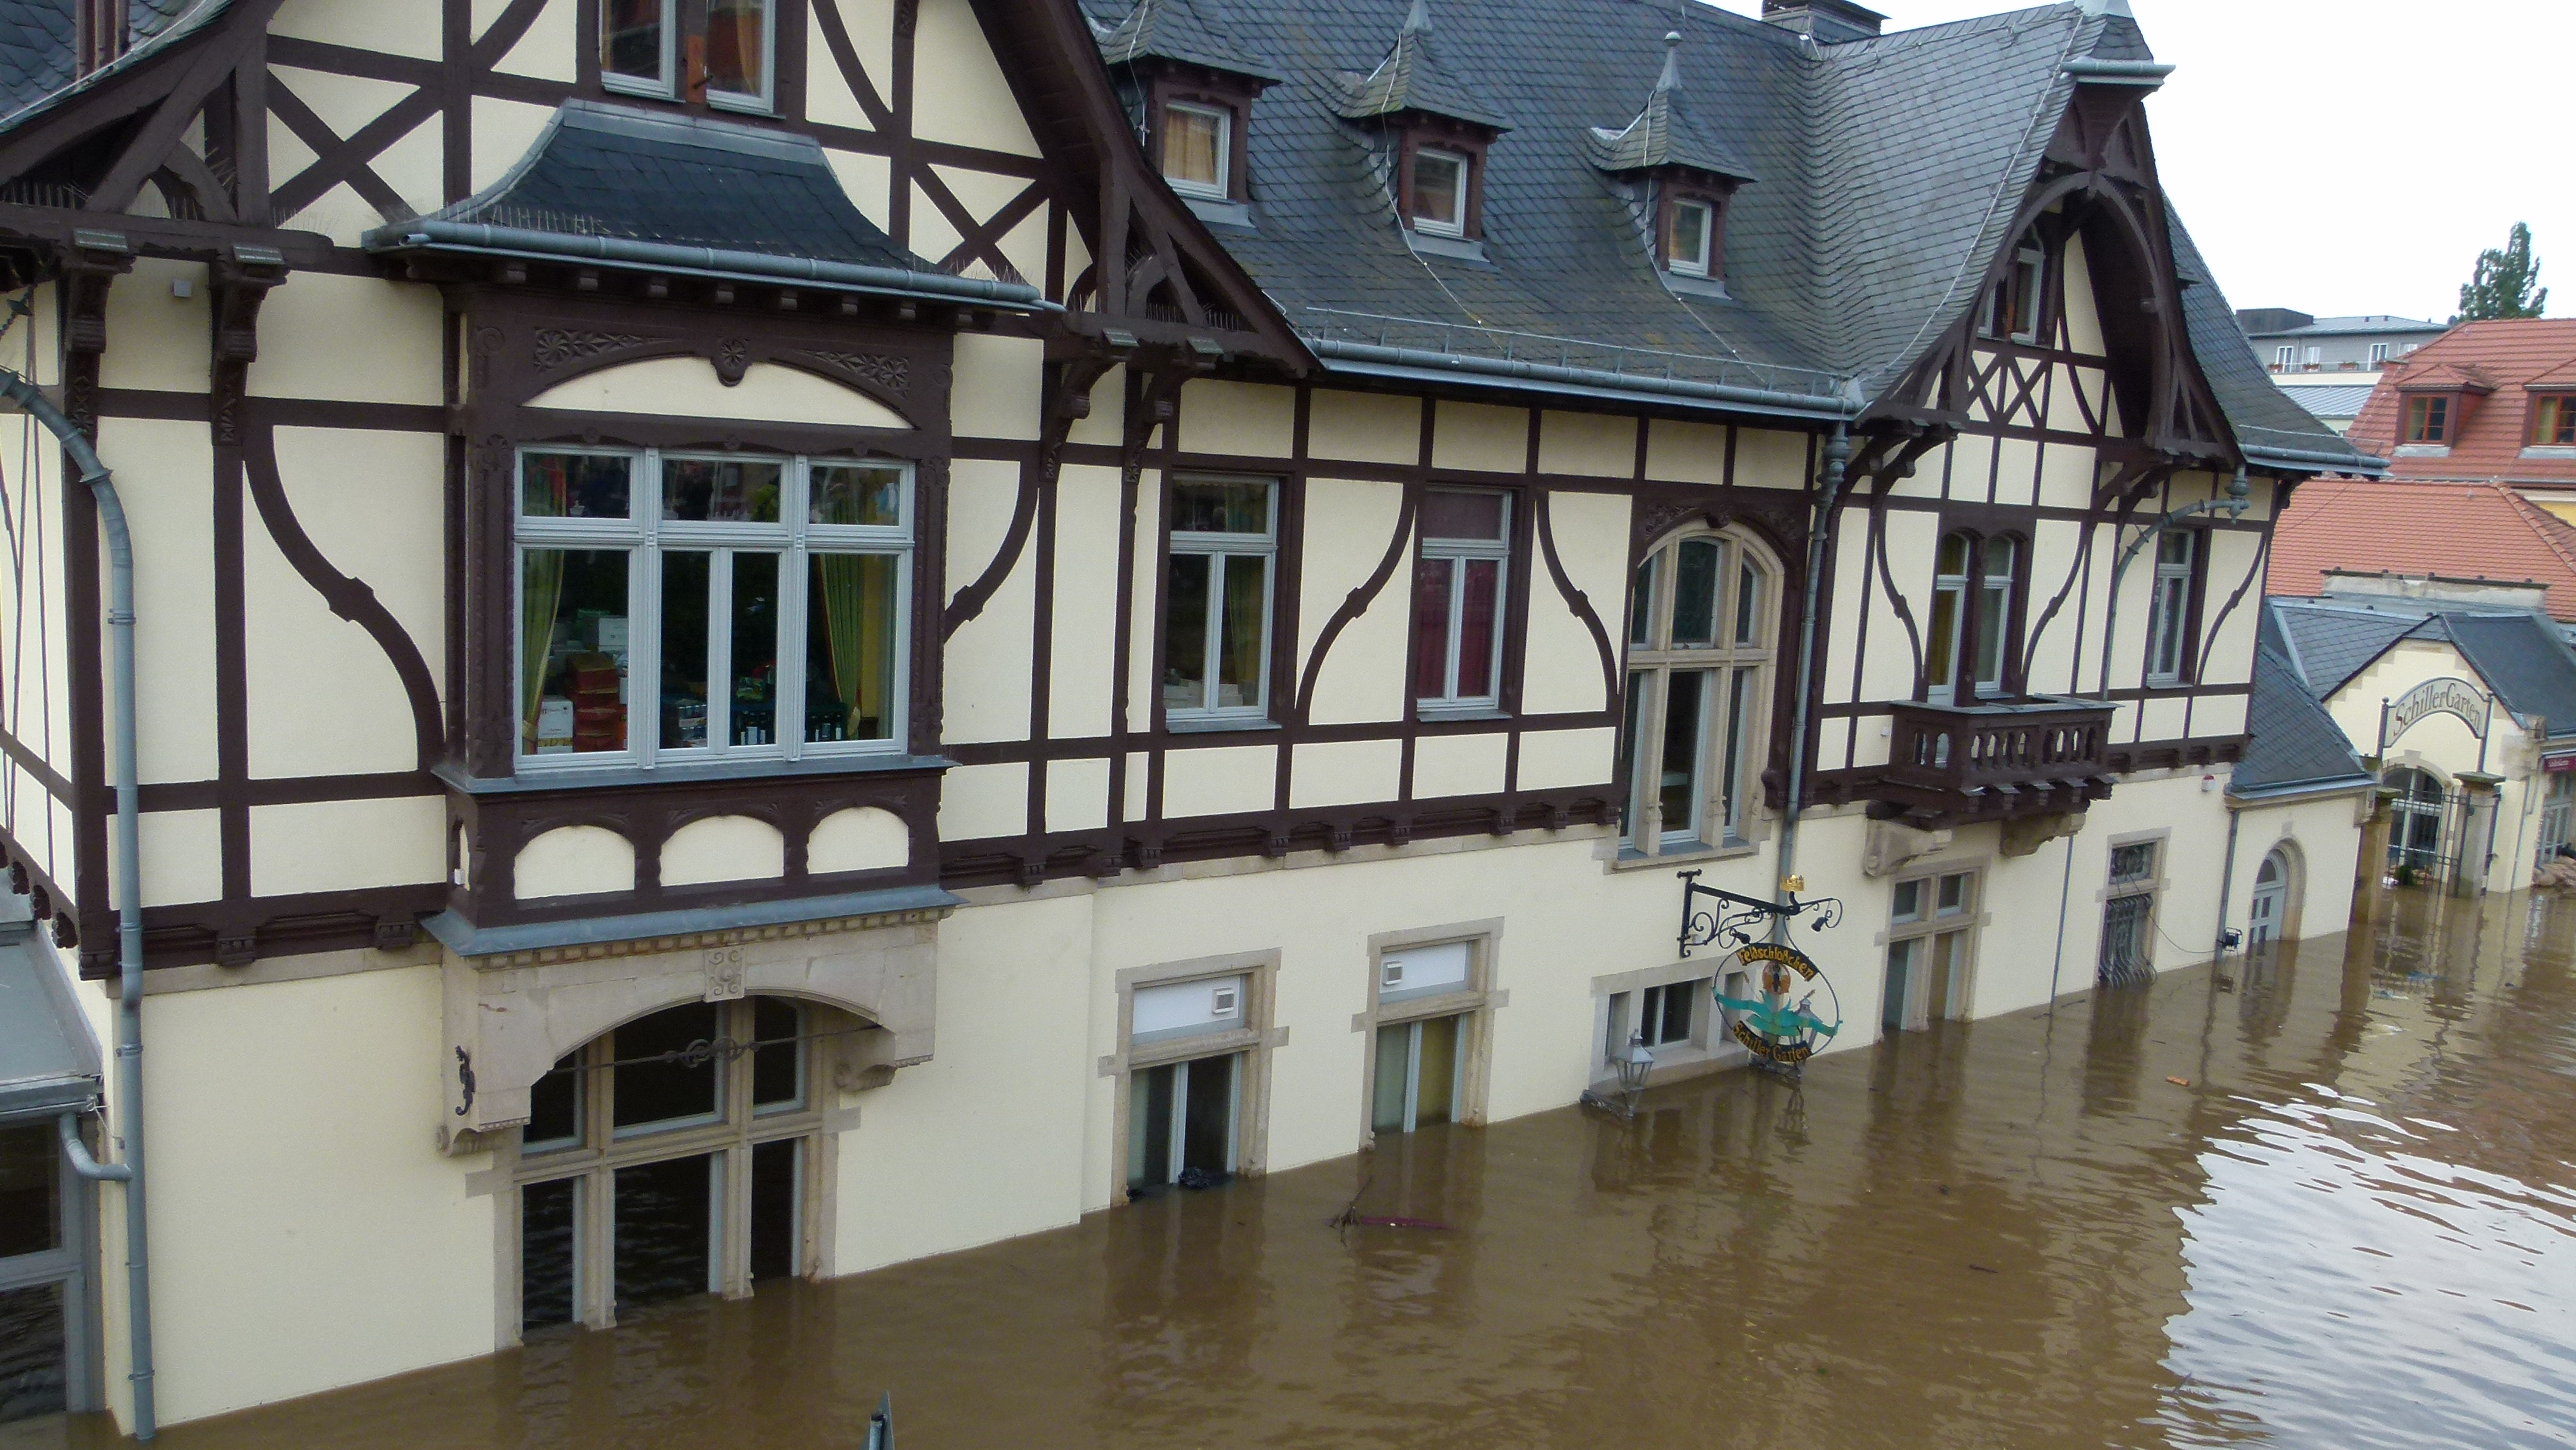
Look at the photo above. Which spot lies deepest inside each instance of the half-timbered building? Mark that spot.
(774, 636)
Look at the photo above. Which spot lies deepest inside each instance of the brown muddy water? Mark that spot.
(2348, 1225)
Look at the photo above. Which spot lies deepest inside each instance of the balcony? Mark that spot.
(1949, 765)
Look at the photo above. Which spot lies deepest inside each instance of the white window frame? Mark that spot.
(1944, 690)
(1459, 552)
(1922, 934)
(1432, 226)
(766, 101)
(664, 88)
(2315, 356)
(1220, 547)
(2378, 354)
(2023, 284)
(1736, 667)
(1994, 600)
(1223, 188)
(644, 535)
(2284, 358)
(2169, 610)
(1702, 264)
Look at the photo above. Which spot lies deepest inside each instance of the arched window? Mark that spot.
(2416, 837)
(669, 1157)
(1972, 606)
(1700, 625)
(2267, 918)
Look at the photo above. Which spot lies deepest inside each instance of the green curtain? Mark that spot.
(540, 598)
(855, 590)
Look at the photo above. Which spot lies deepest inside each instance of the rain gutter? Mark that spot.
(2299, 459)
(129, 887)
(1414, 364)
(2299, 789)
(429, 234)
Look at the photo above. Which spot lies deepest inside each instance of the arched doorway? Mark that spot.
(2268, 919)
(2418, 815)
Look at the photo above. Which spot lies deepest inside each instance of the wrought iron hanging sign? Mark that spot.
(1771, 1027)
(2448, 695)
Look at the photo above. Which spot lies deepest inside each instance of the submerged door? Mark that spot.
(1420, 1074)
(1181, 1123)
(2271, 895)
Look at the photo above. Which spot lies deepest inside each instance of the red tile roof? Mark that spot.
(2509, 357)
(2456, 530)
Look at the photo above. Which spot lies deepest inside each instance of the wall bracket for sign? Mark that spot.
(1778, 1032)
(1726, 923)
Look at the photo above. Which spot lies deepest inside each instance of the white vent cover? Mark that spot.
(1391, 972)
(1223, 1001)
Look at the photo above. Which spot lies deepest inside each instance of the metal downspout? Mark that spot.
(2226, 884)
(129, 885)
(1837, 454)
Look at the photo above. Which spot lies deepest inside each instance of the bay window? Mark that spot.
(1458, 600)
(677, 607)
(1698, 655)
(1216, 599)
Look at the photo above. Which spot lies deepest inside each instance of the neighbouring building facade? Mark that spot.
(782, 635)
(2293, 343)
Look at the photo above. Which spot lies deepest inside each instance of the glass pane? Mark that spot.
(684, 648)
(2170, 603)
(1954, 894)
(1435, 1095)
(856, 493)
(775, 1233)
(755, 649)
(1207, 506)
(1954, 556)
(554, 1107)
(1448, 514)
(777, 1065)
(2174, 549)
(1431, 629)
(1679, 792)
(576, 486)
(1439, 188)
(738, 46)
(1632, 751)
(1207, 1131)
(1909, 900)
(30, 1217)
(572, 640)
(33, 1367)
(1149, 1126)
(1994, 613)
(1940, 650)
(1690, 237)
(1479, 619)
(1185, 632)
(1193, 140)
(1748, 600)
(1394, 1069)
(2133, 863)
(549, 1214)
(1999, 558)
(1247, 597)
(1641, 603)
(1739, 732)
(722, 490)
(666, 1223)
(1901, 958)
(1695, 592)
(630, 38)
(659, 1094)
(1677, 1011)
(853, 620)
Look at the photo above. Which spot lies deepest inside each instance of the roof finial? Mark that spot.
(1671, 79)
(1417, 21)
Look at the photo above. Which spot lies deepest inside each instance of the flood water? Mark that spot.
(2320, 1200)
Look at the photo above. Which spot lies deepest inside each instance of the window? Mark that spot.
(2315, 356)
(2553, 420)
(1425, 1022)
(640, 1146)
(2284, 358)
(1436, 202)
(1458, 600)
(1699, 647)
(2169, 615)
(43, 1293)
(2428, 420)
(1216, 599)
(2557, 809)
(1197, 152)
(1994, 615)
(1690, 241)
(765, 597)
(1421, 1074)
(2128, 914)
(1663, 1016)
(2012, 309)
(1972, 588)
(1930, 951)
(1191, 1068)
(640, 45)
(2378, 353)
(1181, 1124)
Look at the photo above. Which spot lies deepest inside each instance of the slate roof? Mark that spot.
(1174, 30)
(2328, 644)
(1412, 77)
(1888, 167)
(1665, 133)
(2516, 653)
(2507, 356)
(2526, 662)
(2456, 530)
(2293, 744)
(39, 48)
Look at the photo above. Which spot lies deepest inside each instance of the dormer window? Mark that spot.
(2012, 308)
(1690, 237)
(2428, 420)
(726, 59)
(1436, 196)
(1198, 150)
(2553, 420)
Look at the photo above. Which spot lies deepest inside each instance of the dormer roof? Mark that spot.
(2447, 377)
(1413, 80)
(1665, 133)
(1174, 30)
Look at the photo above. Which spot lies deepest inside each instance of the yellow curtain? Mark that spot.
(734, 44)
(855, 593)
(540, 598)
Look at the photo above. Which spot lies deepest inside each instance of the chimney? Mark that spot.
(1826, 20)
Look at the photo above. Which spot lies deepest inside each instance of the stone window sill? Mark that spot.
(1632, 859)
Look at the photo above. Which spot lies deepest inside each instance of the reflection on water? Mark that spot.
(2323, 1198)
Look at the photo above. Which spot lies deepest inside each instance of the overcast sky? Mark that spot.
(2353, 156)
